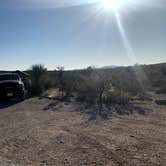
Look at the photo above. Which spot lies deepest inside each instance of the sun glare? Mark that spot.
(112, 4)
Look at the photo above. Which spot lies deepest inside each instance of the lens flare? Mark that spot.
(112, 4)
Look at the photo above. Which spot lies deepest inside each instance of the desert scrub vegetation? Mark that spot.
(90, 85)
(39, 79)
(162, 90)
(99, 92)
(99, 88)
(95, 88)
(128, 80)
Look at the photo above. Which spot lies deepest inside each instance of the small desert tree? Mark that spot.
(69, 83)
(39, 78)
(92, 87)
(60, 70)
(103, 84)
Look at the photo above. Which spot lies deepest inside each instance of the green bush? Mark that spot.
(39, 79)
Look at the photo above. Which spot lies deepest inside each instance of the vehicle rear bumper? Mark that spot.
(11, 93)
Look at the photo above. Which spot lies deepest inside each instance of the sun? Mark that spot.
(112, 4)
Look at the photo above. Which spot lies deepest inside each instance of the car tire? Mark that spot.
(22, 97)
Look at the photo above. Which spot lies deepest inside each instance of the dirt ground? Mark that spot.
(39, 131)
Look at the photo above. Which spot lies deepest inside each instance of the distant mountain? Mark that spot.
(109, 67)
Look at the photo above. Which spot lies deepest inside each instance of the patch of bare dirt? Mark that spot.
(44, 132)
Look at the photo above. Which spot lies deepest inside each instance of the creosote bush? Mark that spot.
(117, 97)
(92, 87)
(39, 79)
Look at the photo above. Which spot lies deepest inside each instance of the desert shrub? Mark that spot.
(163, 69)
(39, 78)
(69, 82)
(86, 90)
(161, 102)
(111, 87)
(60, 78)
(162, 90)
(117, 97)
(126, 80)
(66, 81)
(160, 85)
(91, 88)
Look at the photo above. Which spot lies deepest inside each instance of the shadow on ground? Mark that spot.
(93, 110)
(111, 110)
(7, 103)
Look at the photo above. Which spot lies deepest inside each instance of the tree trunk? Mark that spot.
(100, 102)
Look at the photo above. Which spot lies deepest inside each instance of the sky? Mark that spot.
(80, 33)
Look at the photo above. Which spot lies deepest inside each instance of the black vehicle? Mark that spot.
(11, 86)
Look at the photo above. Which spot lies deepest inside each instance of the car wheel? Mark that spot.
(22, 98)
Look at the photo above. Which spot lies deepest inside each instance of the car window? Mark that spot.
(8, 77)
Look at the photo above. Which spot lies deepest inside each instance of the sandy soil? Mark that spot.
(42, 132)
